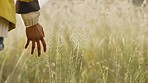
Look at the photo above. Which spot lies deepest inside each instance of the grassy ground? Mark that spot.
(88, 41)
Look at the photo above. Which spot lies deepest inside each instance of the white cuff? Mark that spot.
(31, 18)
(4, 27)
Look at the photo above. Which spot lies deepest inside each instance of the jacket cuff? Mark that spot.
(26, 7)
(30, 19)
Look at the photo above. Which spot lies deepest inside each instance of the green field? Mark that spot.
(88, 41)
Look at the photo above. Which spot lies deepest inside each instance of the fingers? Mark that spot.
(39, 48)
(33, 47)
(44, 44)
(43, 32)
(35, 34)
(28, 41)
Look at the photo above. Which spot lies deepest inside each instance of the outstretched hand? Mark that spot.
(35, 34)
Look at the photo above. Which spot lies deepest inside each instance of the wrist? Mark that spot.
(31, 22)
(30, 19)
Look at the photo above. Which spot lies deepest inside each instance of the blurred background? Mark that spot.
(88, 41)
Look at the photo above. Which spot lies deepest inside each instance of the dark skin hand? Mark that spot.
(35, 34)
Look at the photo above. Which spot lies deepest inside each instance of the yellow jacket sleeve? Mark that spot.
(7, 11)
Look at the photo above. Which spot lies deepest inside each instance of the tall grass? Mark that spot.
(88, 41)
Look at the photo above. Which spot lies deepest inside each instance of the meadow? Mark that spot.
(88, 41)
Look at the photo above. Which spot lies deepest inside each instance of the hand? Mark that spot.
(35, 34)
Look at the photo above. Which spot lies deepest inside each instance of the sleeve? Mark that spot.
(29, 10)
(4, 27)
(31, 18)
(26, 6)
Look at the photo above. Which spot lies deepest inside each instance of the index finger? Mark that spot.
(28, 41)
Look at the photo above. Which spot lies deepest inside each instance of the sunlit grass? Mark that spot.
(88, 41)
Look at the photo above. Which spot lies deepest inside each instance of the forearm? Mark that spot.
(27, 6)
(29, 10)
(31, 18)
